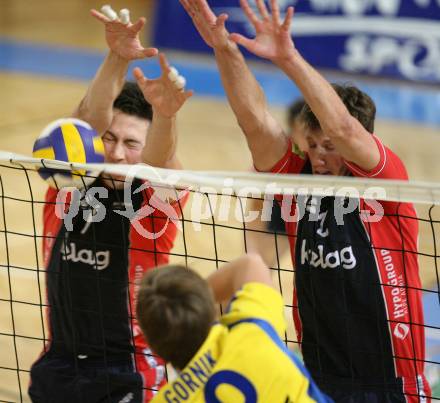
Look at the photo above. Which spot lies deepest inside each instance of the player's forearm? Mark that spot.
(222, 281)
(161, 142)
(323, 100)
(264, 134)
(258, 240)
(242, 89)
(232, 276)
(96, 107)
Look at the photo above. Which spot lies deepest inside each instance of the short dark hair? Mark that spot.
(132, 102)
(175, 310)
(358, 103)
(294, 111)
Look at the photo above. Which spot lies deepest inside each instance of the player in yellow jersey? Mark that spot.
(239, 358)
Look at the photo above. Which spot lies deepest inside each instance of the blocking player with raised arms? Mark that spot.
(96, 352)
(359, 317)
(240, 357)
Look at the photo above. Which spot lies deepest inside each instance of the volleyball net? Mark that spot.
(219, 222)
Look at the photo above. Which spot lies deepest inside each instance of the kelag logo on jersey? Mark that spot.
(397, 38)
(330, 260)
(314, 247)
(97, 259)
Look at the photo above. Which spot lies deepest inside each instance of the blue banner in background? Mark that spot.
(391, 38)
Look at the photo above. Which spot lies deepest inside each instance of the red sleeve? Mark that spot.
(389, 167)
(51, 222)
(52, 209)
(51, 195)
(290, 163)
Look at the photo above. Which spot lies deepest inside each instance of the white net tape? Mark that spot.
(247, 183)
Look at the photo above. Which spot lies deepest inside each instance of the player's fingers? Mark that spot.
(139, 75)
(241, 40)
(249, 12)
(124, 16)
(150, 52)
(275, 11)
(205, 10)
(221, 20)
(288, 19)
(186, 6)
(99, 16)
(262, 9)
(109, 12)
(138, 25)
(173, 74)
(188, 94)
(180, 83)
(163, 62)
(189, 8)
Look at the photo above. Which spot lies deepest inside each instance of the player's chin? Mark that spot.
(322, 172)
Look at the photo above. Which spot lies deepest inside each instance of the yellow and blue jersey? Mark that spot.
(244, 359)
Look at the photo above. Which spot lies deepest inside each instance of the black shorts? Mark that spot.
(365, 393)
(341, 396)
(276, 223)
(58, 380)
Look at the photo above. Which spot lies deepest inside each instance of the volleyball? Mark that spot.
(70, 140)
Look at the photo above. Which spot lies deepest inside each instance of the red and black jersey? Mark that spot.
(357, 301)
(93, 271)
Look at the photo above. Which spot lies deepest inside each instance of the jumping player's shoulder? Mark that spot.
(390, 166)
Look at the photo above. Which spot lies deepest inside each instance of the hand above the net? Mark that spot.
(272, 40)
(211, 28)
(123, 39)
(162, 93)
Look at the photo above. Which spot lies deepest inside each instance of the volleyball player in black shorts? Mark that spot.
(357, 303)
(95, 350)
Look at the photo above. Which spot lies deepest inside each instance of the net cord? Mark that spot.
(245, 183)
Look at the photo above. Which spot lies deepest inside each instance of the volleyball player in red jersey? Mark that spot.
(359, 313)
(96, 351)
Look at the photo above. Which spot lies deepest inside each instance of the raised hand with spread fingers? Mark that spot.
(211, 28)
(121, 35)
(122, 38)
(273, 40)
(264, 134)
(166, 95)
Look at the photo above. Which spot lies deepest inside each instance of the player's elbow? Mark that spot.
(251, 125)
(342, 129)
